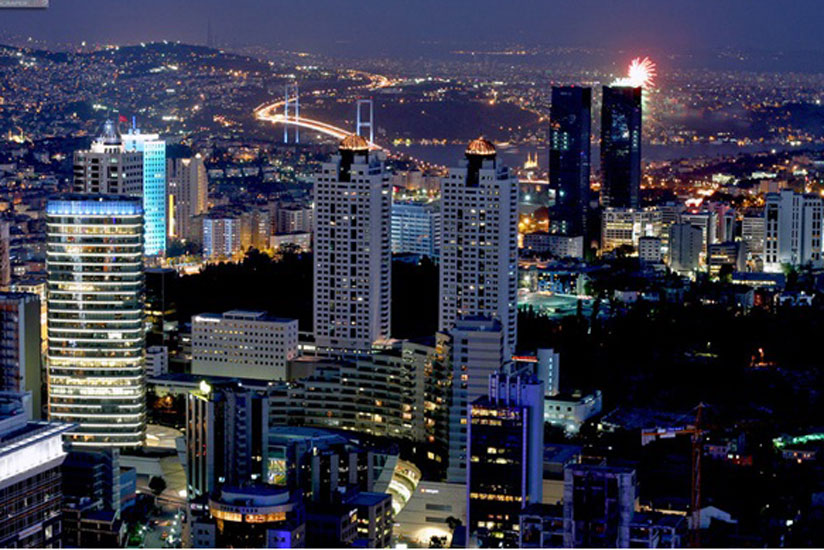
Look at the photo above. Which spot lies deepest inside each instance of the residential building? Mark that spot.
(479, 252)
(222, 235)
(792, 230)
(188, 195)
(353, 258)
(416, 228)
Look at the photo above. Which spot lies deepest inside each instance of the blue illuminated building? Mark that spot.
(154, 187)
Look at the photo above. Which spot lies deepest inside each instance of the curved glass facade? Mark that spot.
(95, 318)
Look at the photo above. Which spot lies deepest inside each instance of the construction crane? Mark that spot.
(696, 432)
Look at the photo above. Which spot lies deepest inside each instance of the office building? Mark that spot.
(96, 311)
(188, 195)
(730, 254)
(221, 236)
(225, 428)
(30, 479)
(37, 287)
(624, 227)
(477, 352)
(353, 257)
(157, 361)
(153, 151)
(649, 249)
(621, 147)
(107, 167)
(506, 449)
(244, 344)
(599, 502)
(707, 222)
(558, 246)
(753, 232)
(479, 252)
(685, 242)
(20, 370)
(416, 228)
(792, 230)
(569, 161)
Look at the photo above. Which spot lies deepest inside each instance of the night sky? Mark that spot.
(409, 27)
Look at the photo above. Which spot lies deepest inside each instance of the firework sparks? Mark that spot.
(641, 73)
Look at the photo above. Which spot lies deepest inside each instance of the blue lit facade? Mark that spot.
(154, 187)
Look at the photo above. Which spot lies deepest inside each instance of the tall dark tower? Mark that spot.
(569, 135)
(621, 146)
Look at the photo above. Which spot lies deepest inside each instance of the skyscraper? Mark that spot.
(95, 317)
(621, 147)
(506, 451)
(479, 249)
(5, 254)
(188, 195)
(154, 187)
(107, 167)
(569, 157)
(353, 258)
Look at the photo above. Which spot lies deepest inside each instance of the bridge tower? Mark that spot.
(363, 124)
(292, 98)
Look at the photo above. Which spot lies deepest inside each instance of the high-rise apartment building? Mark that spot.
(416, 228)
(153, 150)
(621, 147)
(569, 156)
(479, 249)
(5, 254)
(20, 370)
(506, 451)
(95, 317)
(187, 195)
(792, 230)
(353, 258)
(222, 235)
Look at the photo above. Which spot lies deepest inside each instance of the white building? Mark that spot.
(157, 360)
(188, 195)
(479, 250)
(685, 243)
(625, 226)
(353, 258)
(243, 344)
(649, 249)
(221, 236)
(294, 218)
(570, 412)
(94, 260)
(753, 228)
(559, 246)
(301, 240)
(792, 230)
(477, 351)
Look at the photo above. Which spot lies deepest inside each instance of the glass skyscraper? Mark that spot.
(569, 156)
(621, 147)
(154, 187)
(95, 317)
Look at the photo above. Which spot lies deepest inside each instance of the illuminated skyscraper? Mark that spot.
(188, 195)
(569, 160)
(107, 167)
(479, 249)
(621, 147)
(154, 187)
(95, 317)
(353, 258)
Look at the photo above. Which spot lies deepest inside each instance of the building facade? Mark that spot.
(153, 151)
(621, 147)
(416, 228)
(95, 318)
(792, 230)
(188, 195)
(479, 252)
(353, 257)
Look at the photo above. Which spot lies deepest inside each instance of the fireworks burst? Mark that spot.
(642, 73)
